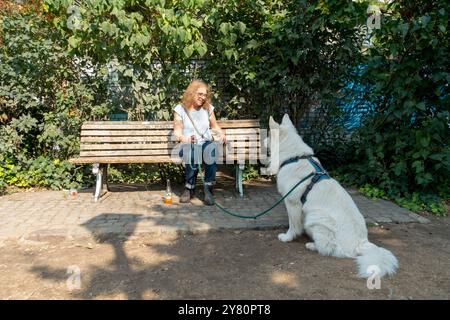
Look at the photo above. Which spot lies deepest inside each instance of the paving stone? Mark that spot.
(418, 218)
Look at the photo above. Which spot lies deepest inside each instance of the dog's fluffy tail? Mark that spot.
(374, 260)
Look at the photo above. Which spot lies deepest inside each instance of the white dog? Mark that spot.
(328, 215)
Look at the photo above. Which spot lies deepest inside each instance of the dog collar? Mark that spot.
(295, 159)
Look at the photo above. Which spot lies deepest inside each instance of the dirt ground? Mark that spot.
(222, 265)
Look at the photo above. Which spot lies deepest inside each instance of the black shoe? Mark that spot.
(186, 195)
(209, 201)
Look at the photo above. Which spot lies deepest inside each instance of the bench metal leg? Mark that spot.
(105, 185)
(101, 170)
(98, 186)
(239, 170)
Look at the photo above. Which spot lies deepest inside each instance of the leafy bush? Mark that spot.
(44, 95)
(44, 98)
(42, 172)
(251, 172)
(373, 192)
(417, 202)
(145, 173)
(402, 147)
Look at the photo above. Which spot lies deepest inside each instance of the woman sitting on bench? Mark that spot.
(194, 121)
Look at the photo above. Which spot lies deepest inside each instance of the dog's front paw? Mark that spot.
(285, 237)
(311, 246)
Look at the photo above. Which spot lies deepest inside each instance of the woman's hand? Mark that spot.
(223, 138)
(186, 139)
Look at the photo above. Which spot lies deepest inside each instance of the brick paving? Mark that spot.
(136, 209)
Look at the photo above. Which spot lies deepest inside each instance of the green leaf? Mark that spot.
(224, 28)
(74, 41)
(252, 44)
(424, 141)
(201, 48)
(229, 53)
(399, 168)
(437, 156)
(188, 51)
(398, 114)
(403, 28)
(424, 179)
(418, 166)
(242, 27)
(128, 73)
(185, 20)
(232, 38)
(182, 34)
(196, 23)
(421, 106)
(424, 20)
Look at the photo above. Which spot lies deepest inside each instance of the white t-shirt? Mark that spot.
(201, 119)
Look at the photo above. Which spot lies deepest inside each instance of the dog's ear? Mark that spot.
(286, 120)
(272, 123)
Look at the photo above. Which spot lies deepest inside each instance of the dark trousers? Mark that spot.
(193, 156)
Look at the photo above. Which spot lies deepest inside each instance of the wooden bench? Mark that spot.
(108, 142)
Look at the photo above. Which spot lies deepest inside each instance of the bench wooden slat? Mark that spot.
(134, 146)
(242, 137)
(242, 150)
(235, 131)
(140, 159)
(163, 124)
(159, 126)
(128, 139)
(240, 144)
(148, 159)
(107, 153)
(133, 123)
(239, 123)
(129, 126)
(150, 132)
(132, 133)
(241, 158)
(106, 139)
(152, 146)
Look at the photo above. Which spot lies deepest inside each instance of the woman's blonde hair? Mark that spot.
(189, 94)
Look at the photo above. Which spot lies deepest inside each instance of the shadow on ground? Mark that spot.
(248, 265)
